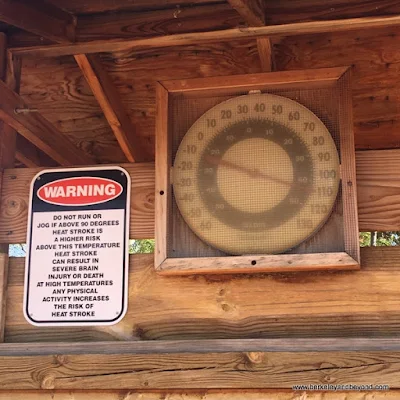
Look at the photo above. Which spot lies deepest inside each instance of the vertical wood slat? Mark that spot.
(348, 170)
(162, 184)
(10, 72)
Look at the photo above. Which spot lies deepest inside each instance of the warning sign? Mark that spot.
(77, 247)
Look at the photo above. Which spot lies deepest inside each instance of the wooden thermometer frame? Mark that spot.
(325, 78)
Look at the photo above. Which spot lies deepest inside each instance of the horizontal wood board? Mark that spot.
(378, 187)
(233, 370)
(212, 394)
(362, 303)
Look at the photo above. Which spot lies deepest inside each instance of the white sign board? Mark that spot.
(76, 271)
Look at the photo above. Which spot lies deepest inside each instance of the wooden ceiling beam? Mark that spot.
(108, 98)
(194, 38)
(129, 25)
(40, 18)
(29, 155)
(35, 128)
(252, 11)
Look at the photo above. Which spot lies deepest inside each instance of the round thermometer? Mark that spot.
(257, 174)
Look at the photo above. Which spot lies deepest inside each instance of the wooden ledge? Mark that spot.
(293, 345)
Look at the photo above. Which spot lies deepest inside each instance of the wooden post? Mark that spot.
(10, 72)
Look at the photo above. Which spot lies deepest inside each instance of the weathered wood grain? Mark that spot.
(96, 6)
(377, 186)
(210, 394)
(106, 94)
(131, 24)
(35, 128)
(316, 304)
(257, 263)
(29, 155)
(57, 88)
(10, 72)
(199, 371)
(205, 346)
(252, 11)
(146, 24)
(195, 38)
(282, 12)
(213, 394)
(266, 53)
(374, 57)
(41, 18)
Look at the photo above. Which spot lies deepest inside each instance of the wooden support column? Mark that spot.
(10, 72)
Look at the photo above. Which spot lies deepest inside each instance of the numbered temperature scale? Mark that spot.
(257, 180)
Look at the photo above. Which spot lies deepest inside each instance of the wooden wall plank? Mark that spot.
(106, 94)
(282, 12)
(146, 24)
(197, 395)
(41, 18)
(130, 24)
(288, 305)
(378, 187)
(378, 178)
(35, 128)
(252, 11)
(57, 88)
(374, 56)
(96, 6)
(198, 371)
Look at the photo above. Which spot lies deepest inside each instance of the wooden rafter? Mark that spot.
(34, 127)
(29, 155)
(106, 94)
(253, 12)
(116, 45)
(40, 18)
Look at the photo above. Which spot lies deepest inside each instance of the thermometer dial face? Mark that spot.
(257, 174)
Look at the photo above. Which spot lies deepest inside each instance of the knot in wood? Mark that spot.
(255, 357)
(60, 359)
(329, 379)
(47, 382)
